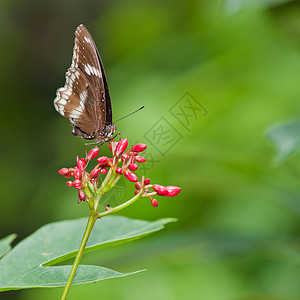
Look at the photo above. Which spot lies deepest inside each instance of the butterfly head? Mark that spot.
(107, 132)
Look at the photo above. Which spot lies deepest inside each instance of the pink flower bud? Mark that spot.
(139, 147)
(136, 192)
(102, 159)
(121, 147)
(147, 181)
(119, 171)
(130, 176)
(172, 190)
(124, 157)
(63, 171)
(135, 153)
(93, 153)
(160, 189)
(103, 171)
(154, 202)
(77, 184)
(70, 183)
(95, 173)
(71, 174)
(140, 159)
(138, 185)
(81, 195)
(112, 146)
(78, 174)
(109, 162)
(133, 167)
(81, 164)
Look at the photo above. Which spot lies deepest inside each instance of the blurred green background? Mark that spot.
(237, 235)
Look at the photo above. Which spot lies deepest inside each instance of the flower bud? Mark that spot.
(121, 147)
(154, 202)
(147, 181)
(70, 183)
(124, 157)
(102, 159)
(112, 146)
(139, 147)
(140, 159)
(81, 195)
(119, 171)
(81, 164)
(136, 192)
(130, 176)
(63, 171)
(133, 167)
(138, 185)
(160, 189)
(109, 162)
(95, 173)
(93, 153)
(103, 171)
(172, 190)
(78, 174)
(77, 184)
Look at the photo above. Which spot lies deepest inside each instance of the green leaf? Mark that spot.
(30, 263)
(286, 138)
(5, 244)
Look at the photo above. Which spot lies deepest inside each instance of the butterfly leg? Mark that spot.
(118, 134)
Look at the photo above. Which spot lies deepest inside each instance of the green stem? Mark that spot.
(110, 180)
(88, 230)
(122, 206)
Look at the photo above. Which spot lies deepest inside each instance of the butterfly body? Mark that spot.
(85, 98)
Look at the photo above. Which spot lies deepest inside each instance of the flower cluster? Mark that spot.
(124, 162)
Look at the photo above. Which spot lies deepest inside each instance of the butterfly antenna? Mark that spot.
(130, 114)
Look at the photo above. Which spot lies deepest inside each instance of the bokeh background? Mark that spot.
(237, 235)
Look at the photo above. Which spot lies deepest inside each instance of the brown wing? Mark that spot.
(84, 98)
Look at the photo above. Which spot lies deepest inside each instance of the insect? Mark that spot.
(85, 99)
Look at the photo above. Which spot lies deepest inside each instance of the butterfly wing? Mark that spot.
(84, 99)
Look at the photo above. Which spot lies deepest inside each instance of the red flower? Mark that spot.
(95, 173)
(160, 189)
(172, 190)
(123, 162)
(154, 202)
(119, 171)
(133, 167)
(93, 153)
(130, 176)
(63, 171)
(140, 159)
(103, 171)
(77, 184)
(78, 174)
(102, 159)
(81, 195)
(138, 147)
(81, 164)
(121, 147)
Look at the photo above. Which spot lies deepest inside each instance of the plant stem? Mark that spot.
(88, 230)
(122, 206)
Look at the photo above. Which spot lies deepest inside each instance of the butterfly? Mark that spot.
(85, 99)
